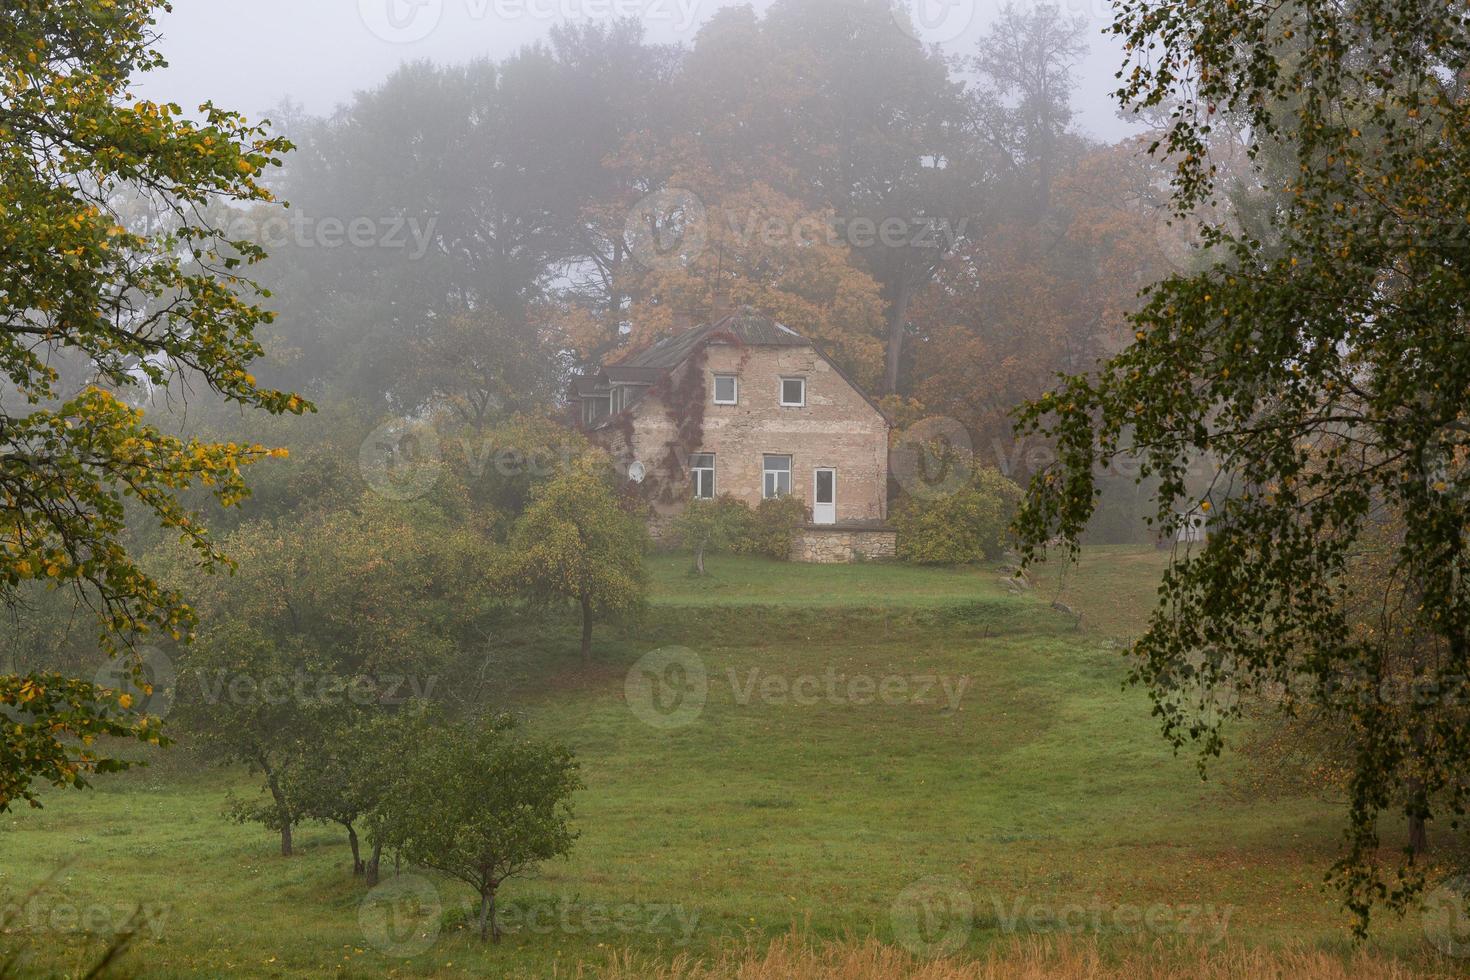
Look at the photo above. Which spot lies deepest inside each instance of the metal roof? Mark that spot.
(632, 374)
(588, 384)
(742, 327)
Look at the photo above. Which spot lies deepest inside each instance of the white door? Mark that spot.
(824, 496)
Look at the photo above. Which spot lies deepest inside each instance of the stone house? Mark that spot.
(745, 406)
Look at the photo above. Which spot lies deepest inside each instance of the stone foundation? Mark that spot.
(836, 544)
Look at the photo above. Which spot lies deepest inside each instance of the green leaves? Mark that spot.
(576, 543)
(114, 269)
(1316, 364)
(49, 727)
(967, 525)
(482, 803)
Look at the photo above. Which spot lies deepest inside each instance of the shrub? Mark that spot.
(771, 528)
(969, 525)
(712, 526)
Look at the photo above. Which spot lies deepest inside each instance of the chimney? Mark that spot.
(720, 305)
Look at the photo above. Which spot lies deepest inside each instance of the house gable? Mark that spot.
(790, 420)
(633, 376)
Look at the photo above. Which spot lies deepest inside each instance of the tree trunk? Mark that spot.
(283, 811)
(1418, 831)
(1043, 188)
(357, 866)
(615, 294)
(375, 863)
(489, 928)
(897, 322)
(586, 629)
(1418, 836)
(699, 559)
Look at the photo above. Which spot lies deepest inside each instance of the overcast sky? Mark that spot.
(250, 54)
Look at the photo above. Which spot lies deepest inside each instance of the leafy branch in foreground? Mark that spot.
(124, 301)
(1326, 365)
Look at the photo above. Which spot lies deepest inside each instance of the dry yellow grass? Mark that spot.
(792, 958)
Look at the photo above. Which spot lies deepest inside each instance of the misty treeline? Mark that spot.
(461, 239)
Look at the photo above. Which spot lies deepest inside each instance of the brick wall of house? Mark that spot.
(836, 428)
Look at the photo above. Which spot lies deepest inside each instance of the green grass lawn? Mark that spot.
(1033, 781)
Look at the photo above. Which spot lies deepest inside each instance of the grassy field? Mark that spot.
(872, 744)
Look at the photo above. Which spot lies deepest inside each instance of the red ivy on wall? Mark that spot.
(685, 395)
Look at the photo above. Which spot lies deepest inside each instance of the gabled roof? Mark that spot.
(588, 384)
(743, 327)
(626, 374)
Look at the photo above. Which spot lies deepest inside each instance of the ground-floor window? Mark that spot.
(777, 476)
(702, 470)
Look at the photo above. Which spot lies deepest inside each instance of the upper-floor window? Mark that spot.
(777, 471)
(727, 389)
(594, 408)
(793, 392)
(702, 470)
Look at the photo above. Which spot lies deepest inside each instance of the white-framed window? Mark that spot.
(702, 472)
(727, 389)
(777, 473)
(793, 392)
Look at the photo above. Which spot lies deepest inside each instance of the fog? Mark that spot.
(682, 488)
(252, 54)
